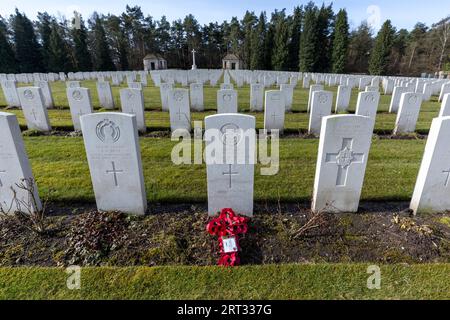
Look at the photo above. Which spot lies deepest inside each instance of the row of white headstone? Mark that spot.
(113, 153)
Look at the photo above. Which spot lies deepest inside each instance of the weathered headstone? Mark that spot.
(343, 98)
(9, 88)
(112, 147)
(445, 106)
(180, 116)
(408, 113)
(105, 95)
(80, 103)
(15, 169)
(320, 107)
(46, 93)
(367, 104)
(341, 164)
(33, 107)
(431, 192)
(197, 96)
(164, 89)
(313, 88)
(230, 176)
(274, 111)
(132, 102)
(227, 101)
(256, 97)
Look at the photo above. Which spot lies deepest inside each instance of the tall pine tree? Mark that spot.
(257, 61)
(379, 59)
(340, 42)
(295, 33)
(280, 52)
(248, 25)
(28, 50)
(7, 61)
(103, 61)
(323, 39)
(58, 56)
(308, 39)
(83, 59)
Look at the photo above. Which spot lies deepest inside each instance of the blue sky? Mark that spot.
(403, 13)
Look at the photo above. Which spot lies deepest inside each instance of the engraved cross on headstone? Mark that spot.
(34, 114)
(230, 174)
(115, 172)
(1, 183)
(344, 158)
(274, 115)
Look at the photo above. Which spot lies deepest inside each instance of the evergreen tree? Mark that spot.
(280, 52)
(257, 61)
(44, 30)
(379, 59)
(7, 62)
(248, 25)
(56, 54)
(118, 40)
(340, 42)
(268, 46)
(308, 39)
(28, 51)
(323, 39)
(361, 43)
(103, 61)
(83, 59)
(295, 33)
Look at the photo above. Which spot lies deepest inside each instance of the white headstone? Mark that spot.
(343, 98)
(288, 92)
(274, 110)
(320, 107)
(105, 95)
(431, 193)
(230, 179)
(180, 116)
(9, 88)
(445, 106)
(164, 89)
(132, 102)
(80, 103)
(46, 93)
(196, 96)
(341, 164)
(395, 100)
(33, 107)
(227, 101)
(367, 104)
(256, 97)
(112, 147)
(312, 89)
(15, 168)
(73, 84)
(408, 113)
(226, 86)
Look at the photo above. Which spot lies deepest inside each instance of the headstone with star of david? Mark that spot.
(80, 103)
(367, 104)
(341, 164)
(132, 102)
(320, 107)
(408, 113)
(180, 114)
(227, 101)
(33, 108)
(230, 141)
(113, 153)
(274, 110)
(15, 168)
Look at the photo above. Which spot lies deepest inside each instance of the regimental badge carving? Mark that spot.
(107, 131)
(323, 98)
(369, 98)
(130, 95)
(28, 94)
(231, 134)
(412, 99)
(77, 95)
(226, 97)
(178, 96)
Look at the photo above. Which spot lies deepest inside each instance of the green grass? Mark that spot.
(321, 281)
(298, 120)
(61, 170)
